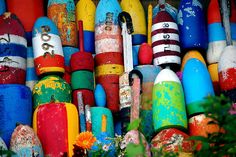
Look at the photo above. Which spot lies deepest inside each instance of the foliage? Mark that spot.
(7, 153)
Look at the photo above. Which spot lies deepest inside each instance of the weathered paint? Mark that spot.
(16, 107)
(107, 30)
(170, 9)
(27, 11)
(48, 53)
(62, 13)
(136, 11)
(227, 72)
(197, 85)
(168, 102)
(82, 61)
(165, 39)
(192, 27)
(56, 121)
(88, 97)
(51, 88)
(13, 50)
(24, 142)
(136, 137)
(85, 11)
(192, 54)
(172, 140)
(96, 116)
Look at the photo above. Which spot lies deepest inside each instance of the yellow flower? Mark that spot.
(85, 140)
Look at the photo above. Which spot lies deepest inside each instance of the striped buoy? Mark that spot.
(216, 33)
(27, 11)
(48, 53)
(192, 27)
(68, 51)
(170, 9)
(136, 11)
(56, 121)
(227, 72)
(62, 13)
(168, 102)
(31, 76)
(136, 137)
(173, 140)
(107, 30)
(149, 73)
(15, 107)
(108, 68)
(102, 121)
(24, 142)
(85, 11)
(2, 7)
(51, 88)
(197, 85)
(165, 39)
(13, 50)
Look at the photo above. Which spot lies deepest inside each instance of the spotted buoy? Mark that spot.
(197, 85)
(192, 27)
(13, 50)
(57, 126)
(48, 53)
(168, 102)
(136, 11)
(51, 88)
(27, 11)
(107, 30)
(85, 11)
(173, 140)
(227, 72)
(24, 142)
(165, 40)
(16, 107)
(62, 13)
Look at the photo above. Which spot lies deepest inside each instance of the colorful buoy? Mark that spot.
(16, 107)
(197, 85)
(145, 54)
(192, 27)
(24, 142)
(168, 102)
(13, 50)
(57, 126)
(107, 30)
(48, 53)
(62, 13)
(51, 88)
(100, 96)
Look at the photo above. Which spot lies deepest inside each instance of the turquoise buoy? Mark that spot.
(168, 102)
(197, 85)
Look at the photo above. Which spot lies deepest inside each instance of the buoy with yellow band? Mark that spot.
(25, 142)
(27, 11)
(51, 88)
(107, 30)
(136, 11)
(56, 121)
(108, 68)
(62, 13)
(213, 70)
(168, 102)
(85, 11)
(16, 107)
(13, 50)
(48, 53)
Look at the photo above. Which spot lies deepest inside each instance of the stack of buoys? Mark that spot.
(108, 48)
(85, 11)
(62, 13)
(169, 113)
(217, 38)
(165, 39)
(16, 98)
(28, 11)
(136, 11)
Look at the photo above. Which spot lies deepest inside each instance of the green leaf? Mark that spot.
(198, 138)
(134, 125)
(133, 150)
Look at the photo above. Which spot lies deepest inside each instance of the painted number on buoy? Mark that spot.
(46, 38)
(109, 19)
